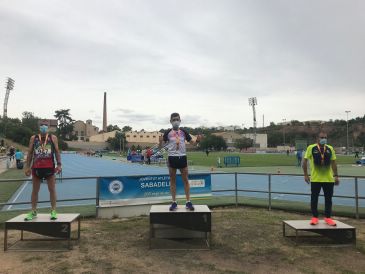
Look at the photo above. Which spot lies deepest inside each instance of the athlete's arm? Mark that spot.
(57, 153)
(305, 170)
(335, 171)
(27, 170)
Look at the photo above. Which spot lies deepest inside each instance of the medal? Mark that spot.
(322, 154)
(43, 144)
(177, 138)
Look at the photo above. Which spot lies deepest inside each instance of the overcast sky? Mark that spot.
(303, 60)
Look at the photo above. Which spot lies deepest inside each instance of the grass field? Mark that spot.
(244, 240)
(255, 160)
(7, 189)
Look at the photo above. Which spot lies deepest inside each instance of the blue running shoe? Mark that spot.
(189, 206)
(173, 206)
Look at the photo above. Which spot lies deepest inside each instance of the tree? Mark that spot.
(213, 141)
(126, 128)
(30, 121)
(65, 124)
(360, 140)
(112, 128)
(117, 142)
(274, 139)
(243, 143)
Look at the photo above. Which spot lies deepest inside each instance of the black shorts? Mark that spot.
(177, 162)
(43, 173)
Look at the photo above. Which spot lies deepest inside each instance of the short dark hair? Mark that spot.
(43, 122)
(322, 132)
(175, 114)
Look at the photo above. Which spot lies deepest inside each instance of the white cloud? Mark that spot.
(203, 59)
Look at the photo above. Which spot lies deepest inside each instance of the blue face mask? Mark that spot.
(323, 141)
(43, 129)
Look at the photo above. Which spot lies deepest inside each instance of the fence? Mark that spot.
(236, 189)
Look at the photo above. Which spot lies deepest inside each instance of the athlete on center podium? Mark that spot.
(174, 140)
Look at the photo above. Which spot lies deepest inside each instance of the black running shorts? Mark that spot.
(43, 173)
(177, 162)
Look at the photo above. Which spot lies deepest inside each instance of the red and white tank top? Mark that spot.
(43, 152)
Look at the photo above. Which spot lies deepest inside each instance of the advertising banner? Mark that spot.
(137, 190)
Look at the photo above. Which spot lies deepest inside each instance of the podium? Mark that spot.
(340, 234)
(59, 229)
(180, 224)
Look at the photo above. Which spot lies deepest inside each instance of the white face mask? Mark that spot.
(175, 124)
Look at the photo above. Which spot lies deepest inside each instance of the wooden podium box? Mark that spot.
(180, 224)
(340, 234)
(59, 229)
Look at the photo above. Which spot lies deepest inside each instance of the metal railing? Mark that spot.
(236, 189)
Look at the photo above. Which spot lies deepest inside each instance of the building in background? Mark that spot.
(230, 137)
(84, 131)
(151, 137)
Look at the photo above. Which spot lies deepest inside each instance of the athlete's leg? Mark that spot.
(51, 182)
(172, 172)
(315, 190)
(328, 193)
(36, 183)
(184, 176)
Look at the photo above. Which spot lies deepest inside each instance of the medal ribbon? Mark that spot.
(322, 154)
(177, 137)
(43, 144)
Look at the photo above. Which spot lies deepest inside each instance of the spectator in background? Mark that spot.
(148, 155)
(11, 153)
(299, 157)
(19, 156)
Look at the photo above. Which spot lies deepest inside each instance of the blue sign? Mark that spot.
(135, 190)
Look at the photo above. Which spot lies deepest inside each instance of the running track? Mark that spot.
(82, 166)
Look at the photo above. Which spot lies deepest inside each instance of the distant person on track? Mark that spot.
(11, 153)
(42, 152)
(149, 153)
(322, 159)
(19, 156)
(175, 139)
(299, 157)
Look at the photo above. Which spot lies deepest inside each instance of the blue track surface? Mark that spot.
(81, 166)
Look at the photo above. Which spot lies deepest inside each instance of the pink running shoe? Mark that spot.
(330, 222)
(314, 221)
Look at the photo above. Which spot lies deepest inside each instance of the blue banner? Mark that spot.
(134, 190)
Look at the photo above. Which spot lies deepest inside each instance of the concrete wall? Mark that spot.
(88, 145)
(102, 137)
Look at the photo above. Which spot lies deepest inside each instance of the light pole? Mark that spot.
(284, 120)
(347, 131)
(120, 146)
(253, 102)
(120, 143)
(9, 87)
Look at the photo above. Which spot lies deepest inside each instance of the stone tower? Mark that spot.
(104, 114)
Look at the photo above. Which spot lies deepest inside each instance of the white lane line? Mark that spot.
(17, 196)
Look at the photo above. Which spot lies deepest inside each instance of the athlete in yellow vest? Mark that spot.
(323, 167)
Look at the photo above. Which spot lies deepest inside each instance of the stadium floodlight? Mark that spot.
(253, 102)
(347, 130)
(284, 120)
(9, 86)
